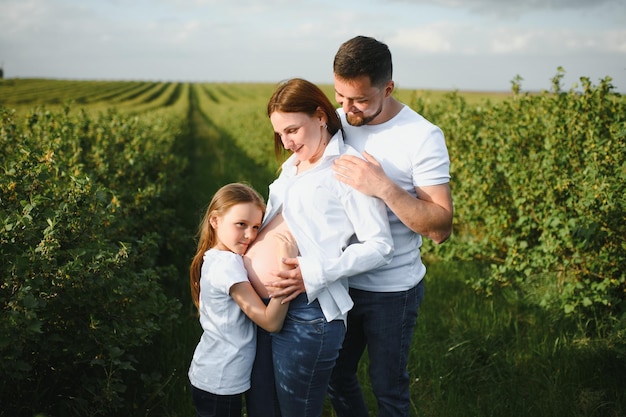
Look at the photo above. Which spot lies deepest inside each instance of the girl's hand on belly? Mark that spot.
(288, 283)
(286, 247)
(264, 256)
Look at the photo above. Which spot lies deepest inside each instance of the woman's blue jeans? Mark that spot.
(304, 353)
(384, 323)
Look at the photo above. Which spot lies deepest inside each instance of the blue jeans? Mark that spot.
(213, 405)
(304, 354)
(261, 398)
(384, 322)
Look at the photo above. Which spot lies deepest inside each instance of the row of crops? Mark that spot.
(103, 183)
(92, 242)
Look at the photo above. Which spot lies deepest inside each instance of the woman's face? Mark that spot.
(301, 134)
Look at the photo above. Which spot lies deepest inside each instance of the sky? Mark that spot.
(465, 45)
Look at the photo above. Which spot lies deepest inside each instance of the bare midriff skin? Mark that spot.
(265, 254)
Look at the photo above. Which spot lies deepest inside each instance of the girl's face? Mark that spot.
(237, 228)
(300, 133)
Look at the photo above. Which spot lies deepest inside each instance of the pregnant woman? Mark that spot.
(339, 232)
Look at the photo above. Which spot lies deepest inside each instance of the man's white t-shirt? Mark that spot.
(413, 152)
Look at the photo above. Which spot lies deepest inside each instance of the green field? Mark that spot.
(104, 183)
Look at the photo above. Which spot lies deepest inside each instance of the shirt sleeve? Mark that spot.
(430, 161)
(229, 271)
(371, 247)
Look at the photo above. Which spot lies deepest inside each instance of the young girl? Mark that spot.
(222, 362)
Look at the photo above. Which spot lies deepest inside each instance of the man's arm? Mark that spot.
(430, 214)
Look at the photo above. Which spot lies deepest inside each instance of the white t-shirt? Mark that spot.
(340, 231)
(413, 152)
(222, 361)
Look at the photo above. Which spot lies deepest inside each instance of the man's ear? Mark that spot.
(389, 87)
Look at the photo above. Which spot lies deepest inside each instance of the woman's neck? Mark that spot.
(325, 138)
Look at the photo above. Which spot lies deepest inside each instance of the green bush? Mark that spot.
(539, 183)
(84, 219)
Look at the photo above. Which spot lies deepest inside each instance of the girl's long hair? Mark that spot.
(226, 197)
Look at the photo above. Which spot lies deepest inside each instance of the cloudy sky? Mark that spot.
(436, 44)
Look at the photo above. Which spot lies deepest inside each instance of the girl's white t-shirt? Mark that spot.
(222, 361)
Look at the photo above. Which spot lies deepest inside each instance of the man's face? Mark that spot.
(361, 102)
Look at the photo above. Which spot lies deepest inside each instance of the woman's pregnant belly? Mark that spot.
(262, 256)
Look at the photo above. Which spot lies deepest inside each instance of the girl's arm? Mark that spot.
(270, 318)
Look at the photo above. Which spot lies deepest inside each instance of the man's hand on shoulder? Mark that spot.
(365, 175)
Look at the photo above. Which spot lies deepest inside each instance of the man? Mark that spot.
(407, 166)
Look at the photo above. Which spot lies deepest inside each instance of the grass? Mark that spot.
(501, 356)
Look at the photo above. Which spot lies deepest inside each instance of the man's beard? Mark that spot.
(360, 121)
